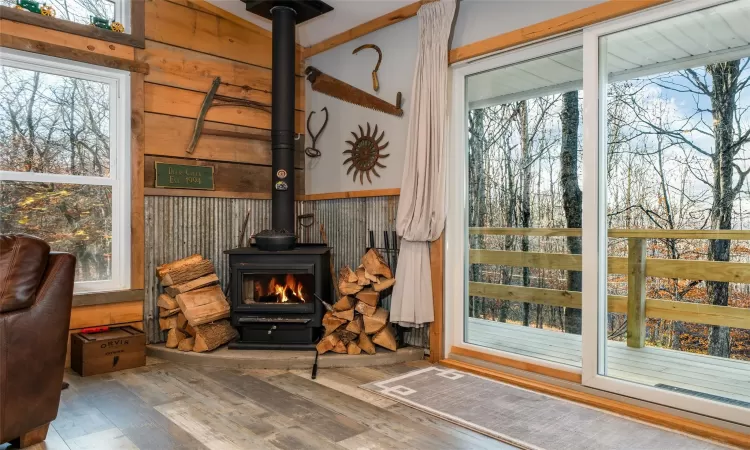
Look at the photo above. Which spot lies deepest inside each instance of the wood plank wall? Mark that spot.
(187, 45)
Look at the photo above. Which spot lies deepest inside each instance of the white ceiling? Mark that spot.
(346, 14)
(695, 39)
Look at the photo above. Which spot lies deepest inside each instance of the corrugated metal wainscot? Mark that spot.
(177, 227)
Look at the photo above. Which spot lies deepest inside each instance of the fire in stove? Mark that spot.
(292, 291)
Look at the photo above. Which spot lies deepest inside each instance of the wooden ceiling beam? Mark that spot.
(376, 24)
(548, 28)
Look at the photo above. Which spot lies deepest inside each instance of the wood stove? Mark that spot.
(277, 284)
(275, 295)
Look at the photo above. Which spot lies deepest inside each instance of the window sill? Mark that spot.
(66, 26)
(105, 298)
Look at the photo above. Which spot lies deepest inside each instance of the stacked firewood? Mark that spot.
(193, 309)
(355, 323)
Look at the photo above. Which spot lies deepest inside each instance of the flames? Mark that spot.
(285, 291)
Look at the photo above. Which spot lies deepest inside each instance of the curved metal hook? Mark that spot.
(312, 151)
(375, 82)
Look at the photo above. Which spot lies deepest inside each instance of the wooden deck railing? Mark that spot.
(636, 266)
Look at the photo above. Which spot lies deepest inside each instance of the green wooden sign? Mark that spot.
(178, 176)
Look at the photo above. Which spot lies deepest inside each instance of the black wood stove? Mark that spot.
(277, 284)
(273, 294)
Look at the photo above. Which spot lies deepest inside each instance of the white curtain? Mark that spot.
(421, 208)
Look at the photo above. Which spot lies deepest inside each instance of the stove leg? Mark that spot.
(315, 367)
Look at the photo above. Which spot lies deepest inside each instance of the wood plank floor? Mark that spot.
(721, 377)
(172, 406)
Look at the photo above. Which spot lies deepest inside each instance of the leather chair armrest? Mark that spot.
(23, 260)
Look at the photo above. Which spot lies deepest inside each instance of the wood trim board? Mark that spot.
(104, 298)
(647, 415)
(548, 28)
(375, 24)
(49, 49)
(517, 364)
(66, 26)
(137, 175)
(437, 275)
(264, 196)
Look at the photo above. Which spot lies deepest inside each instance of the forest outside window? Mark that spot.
(64, 159)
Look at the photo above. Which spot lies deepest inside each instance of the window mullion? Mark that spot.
(34, 177)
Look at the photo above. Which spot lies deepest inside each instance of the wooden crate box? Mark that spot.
(110, 351)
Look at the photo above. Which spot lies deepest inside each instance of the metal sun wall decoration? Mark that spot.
(365, 153)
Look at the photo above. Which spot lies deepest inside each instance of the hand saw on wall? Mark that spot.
(326, 84)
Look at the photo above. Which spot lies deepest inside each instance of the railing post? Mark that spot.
(636, 292)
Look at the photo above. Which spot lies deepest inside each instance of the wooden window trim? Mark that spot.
(106, 298)
(135, 39)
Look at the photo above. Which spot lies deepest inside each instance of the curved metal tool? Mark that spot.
(375, 82)
(312, 151)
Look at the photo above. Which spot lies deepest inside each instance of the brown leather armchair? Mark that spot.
(36, 295)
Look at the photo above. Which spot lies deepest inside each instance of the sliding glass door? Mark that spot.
(666, 232)
(599, 202)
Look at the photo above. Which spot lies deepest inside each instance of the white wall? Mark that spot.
(477, 20)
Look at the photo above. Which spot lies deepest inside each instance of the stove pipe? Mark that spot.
(282, 118)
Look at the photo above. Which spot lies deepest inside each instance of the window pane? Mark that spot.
(677, 158)
(79, 11)
(53, 124)
(524, 144)
(72, 218)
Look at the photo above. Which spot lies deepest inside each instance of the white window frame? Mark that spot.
(594, 233)
(122, 13)
(119, 178)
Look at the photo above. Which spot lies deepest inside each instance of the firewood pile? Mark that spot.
(193, 308)
(355, 323)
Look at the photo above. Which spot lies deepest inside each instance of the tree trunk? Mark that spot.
(572, 197)
(523, 116)
(477, 188)
(723, 103)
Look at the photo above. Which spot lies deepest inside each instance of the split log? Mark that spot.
(366, 344)
(174, 337)
(371, 277)
(375, 264)
(189, 330)
(340, 347)
(332, 323)
(355, 326)
(348, 282)
(188, 272)
(327, 343)
(384, 284)
(182, 322)
(376, 322)
(386, 339)
(212, 335)
(167, 302)
(347, 275)
(353, 349)
(369, 296)
(168, 323)
(204, 305)
(168, 312)
(365, 309)
(361, 278)
(166, 268)
(344, 303)
(186, 345)
(349, 288)
(346, 336)
(347, 315)
(198, 283)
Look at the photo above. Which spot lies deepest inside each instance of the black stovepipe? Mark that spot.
(282, 118)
